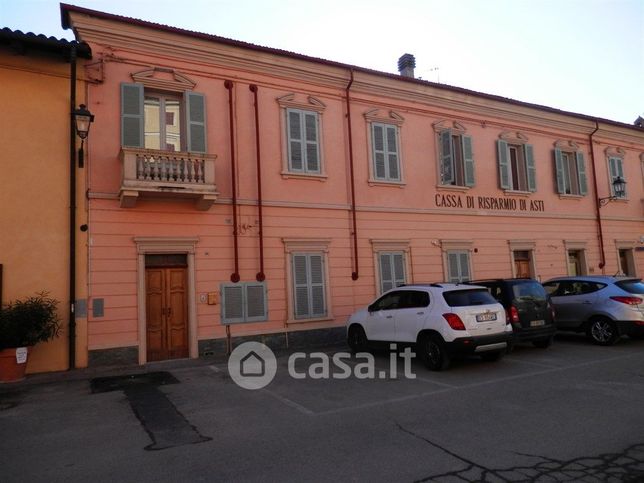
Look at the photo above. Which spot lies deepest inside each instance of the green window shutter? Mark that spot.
(295, 141)
(301, 286)
(559, 169)
(446, 157)
(316, 272)
(255, 302)
(581, 170)
(531, 169)
(378, 144)
(504, 164)
(468, 160)
(312, 143)
(132, 115)
(232, 303)
(392, 153)
(196, 120)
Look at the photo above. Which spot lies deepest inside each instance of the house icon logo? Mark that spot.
(252, 365)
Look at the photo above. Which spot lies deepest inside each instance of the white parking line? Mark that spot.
(288, 402)
(521, 361)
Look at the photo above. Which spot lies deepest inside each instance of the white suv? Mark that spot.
(442, 319)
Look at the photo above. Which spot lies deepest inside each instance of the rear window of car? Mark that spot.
(631, 286)
(463, 298)
(528, 291)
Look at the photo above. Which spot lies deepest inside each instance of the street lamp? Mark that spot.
(619, 189)
(83, 118)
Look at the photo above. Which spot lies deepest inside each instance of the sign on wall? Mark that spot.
(488, 203)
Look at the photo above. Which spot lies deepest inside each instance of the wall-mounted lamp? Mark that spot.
(619, 189)
(83, 118)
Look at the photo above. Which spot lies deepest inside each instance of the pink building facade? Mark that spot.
(237, 191)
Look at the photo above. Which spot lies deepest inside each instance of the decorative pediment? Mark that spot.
(513, 137)
(164, 79)
(452, 125)
(388, 117)
(566, 145)
(614, 152)
(301, 101)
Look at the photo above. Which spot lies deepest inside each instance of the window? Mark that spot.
(570, 169)
(616, 169)
(303, 141)
(309, 291)
(626, 262)
(392, 270)
(401, 299)
(576, 262)
(243, 302)
(517, 170)
(385, 155)
(456, 159)
(165, 122)
(458, 266)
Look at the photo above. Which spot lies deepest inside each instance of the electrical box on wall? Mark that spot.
(213, 298)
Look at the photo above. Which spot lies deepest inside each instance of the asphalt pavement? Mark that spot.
(572, 412)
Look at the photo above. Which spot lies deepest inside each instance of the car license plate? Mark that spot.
(487, 317)
(537, 323)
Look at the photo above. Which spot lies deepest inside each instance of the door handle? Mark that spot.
(390, 316)
(420, 313)
(586, 302)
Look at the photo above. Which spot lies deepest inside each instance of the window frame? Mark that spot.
(618, 162)
(310, 246)
(464, 165)
(388, 120)
(303, 104)
(569, 165)
(517, 174)
(459, 247)
(382, 246)
(163, 97)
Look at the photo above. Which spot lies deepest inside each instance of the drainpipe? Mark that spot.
(234, 277)
(260, 275)
(602, 263)
(72, 210)
(355, 274)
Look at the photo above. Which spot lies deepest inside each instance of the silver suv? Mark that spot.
(441, 319)
(602, 306)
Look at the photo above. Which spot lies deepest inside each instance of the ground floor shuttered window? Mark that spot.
(458, 266)
(392, 270)
(309, 291)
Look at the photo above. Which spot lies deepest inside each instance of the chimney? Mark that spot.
(406, 65)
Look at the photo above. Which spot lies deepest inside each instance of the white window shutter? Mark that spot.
(581, 170)
(301, 286)
(196, 122)
(386, 275)
(464, 273)
(316, 270)
(132, 115)
(295, 141)
(452, 267)
(398, 263)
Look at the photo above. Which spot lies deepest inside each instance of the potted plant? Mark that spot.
(24, 323)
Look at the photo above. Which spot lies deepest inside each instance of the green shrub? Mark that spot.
(29, 321)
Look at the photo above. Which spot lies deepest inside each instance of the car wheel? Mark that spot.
(357, 339)
(433, 353)
(602, 331)
(543, 343)
(492, 356)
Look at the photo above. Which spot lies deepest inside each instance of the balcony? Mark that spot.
(148, 173)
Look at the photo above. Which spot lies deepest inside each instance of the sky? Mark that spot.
(582, 56)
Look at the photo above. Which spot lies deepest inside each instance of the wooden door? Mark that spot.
(167, 313)
(522, 264)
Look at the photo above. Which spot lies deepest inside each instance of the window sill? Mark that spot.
(305, 321)
(570, 197)
(308, 176)
(391, 184)
(525, 194)
(453, 187)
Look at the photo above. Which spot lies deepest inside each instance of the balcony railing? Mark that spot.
(152, 173)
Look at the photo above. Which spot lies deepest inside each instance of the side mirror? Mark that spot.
(371, 308)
